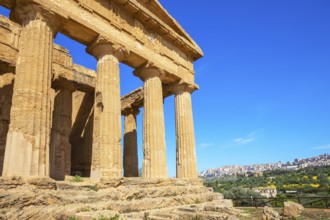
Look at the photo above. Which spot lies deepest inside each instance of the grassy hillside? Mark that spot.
(304, 181)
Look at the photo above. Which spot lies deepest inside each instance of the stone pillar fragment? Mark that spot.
(60, 147)
(154, 147)
(130, 144)
(107, 153)
(186, 166)
(27, 146)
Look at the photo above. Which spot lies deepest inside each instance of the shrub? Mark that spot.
(77, 178)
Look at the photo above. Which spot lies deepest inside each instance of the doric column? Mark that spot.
(130, 144)
(27, 146)
(186, 166)
(154, 148)
(60, 147)
(107, 153)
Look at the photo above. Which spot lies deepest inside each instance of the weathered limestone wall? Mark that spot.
(9, 32)
(81, 137)
(6, 93)
(69, 75)
(131, 100)
(60, 147)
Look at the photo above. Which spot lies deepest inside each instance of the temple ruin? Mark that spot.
(61, 123)
(58, 118)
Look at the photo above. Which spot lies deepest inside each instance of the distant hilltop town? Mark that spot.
(232, 170)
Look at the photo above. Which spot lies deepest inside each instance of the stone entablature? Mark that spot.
(9, 32)
(65, 72)
(121, 21)
(63, 67)
(59, 118)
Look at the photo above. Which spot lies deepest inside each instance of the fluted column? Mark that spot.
(27, 146)
(154, 148)
(130, 144)
(107, 153)
(186, 166)
(60, 147)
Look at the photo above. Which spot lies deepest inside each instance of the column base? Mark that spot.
(20, 157)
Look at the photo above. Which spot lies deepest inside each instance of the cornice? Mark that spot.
(166, 26)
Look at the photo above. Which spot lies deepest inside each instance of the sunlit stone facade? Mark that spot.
(58, 118)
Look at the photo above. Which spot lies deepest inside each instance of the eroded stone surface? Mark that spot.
(186, 165)
(154, 147)
(29, 129)
(292, 209)
(6, 91)
(131, 198)
(107, 152)
(270, 214)
(60, 146)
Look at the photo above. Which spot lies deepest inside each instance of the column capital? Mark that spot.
(133, 110)
(180, 87)
(26, 10)
(149, 70)
(102, 46)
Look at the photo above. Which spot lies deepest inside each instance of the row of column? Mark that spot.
(27, 147)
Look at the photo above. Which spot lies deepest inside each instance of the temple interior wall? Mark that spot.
(60, 147)
(6, 93)
(81, 137)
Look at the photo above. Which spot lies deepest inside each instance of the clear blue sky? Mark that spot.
(264, 80)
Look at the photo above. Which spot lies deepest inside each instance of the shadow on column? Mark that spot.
(130, 154)
(6, 94)
(81, 137)
(60, 147)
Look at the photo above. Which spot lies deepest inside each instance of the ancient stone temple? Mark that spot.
(59, 119)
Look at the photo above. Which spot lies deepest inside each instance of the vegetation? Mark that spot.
(301, 186)
(77, 178)
(94, 188)
(116, 217)
(314, 214)
(240, 192)
(304, 181)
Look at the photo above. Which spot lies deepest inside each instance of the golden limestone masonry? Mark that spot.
(59, 120)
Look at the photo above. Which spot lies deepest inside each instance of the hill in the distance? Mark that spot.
(296, 164)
